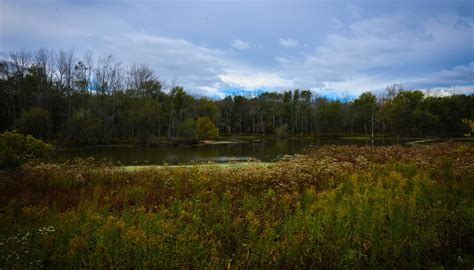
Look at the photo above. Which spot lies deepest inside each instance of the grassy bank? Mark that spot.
(335, 207)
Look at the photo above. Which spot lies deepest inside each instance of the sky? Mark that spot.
(212, 48)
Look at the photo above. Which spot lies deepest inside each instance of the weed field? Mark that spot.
(333, 207)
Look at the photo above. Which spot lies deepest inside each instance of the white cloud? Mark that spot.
(178, 60)
(212, 91)
(459, 79)
(175, 60)
(380, 51)
(253, 80)
(288, 42)
(454, 89)
(240, 45)
(283, 60)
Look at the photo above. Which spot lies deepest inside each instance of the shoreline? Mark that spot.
(236, 140)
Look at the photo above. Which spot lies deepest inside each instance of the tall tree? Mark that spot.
(364, 110)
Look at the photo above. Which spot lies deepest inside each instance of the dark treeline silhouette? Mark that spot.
(61, 95)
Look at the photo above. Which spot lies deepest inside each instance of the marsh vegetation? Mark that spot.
(333, 207)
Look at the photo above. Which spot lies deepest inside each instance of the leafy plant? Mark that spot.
(187, 130)
(34, 121)
(206, 129)
(16, 149)
(469, 125)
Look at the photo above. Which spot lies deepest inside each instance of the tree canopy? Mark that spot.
(83, 100)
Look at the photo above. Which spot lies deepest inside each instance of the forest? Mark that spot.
(83, 99)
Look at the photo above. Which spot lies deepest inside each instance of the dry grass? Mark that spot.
(334, 207)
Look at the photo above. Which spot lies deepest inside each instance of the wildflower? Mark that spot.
(46, 230)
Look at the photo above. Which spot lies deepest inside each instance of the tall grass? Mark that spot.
(334, 207)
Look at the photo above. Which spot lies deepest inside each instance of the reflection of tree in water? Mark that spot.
(262, 150)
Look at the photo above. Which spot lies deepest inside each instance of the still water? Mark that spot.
(262, 150)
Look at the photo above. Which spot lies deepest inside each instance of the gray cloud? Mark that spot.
(361, 53)
(372, 54)
(460, 77)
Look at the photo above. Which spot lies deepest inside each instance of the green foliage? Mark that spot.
(82, 127)
(142, 118)
(364, 105)
(402, 111)
(16, 149)
(282, 131)
(129, 104)
(364, 110)
(336, 207)
(206, 129)
(208, 108)
(469, 126)
(187, 130)
(34, 121)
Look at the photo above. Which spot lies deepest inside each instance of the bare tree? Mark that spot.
(44, 60)
(43, 67)
(392, 90)
(89, 63)
(107, 83)
(107, 75)
(20, 61)
(65, 65)
(138, 77)
(15, 68)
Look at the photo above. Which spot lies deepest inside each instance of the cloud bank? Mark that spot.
(364, 52)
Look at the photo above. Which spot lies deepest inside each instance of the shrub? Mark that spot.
(16, 149)
(34, 121)
(82, 127)
(206, 129)
(469, 124)
(187, 130)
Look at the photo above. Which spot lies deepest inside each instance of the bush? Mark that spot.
(16, 149)
(187, 130)
(82, 127)
(206, 129)
(469, 124)
(34, 121)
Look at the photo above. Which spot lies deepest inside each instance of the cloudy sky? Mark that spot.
(213, 47)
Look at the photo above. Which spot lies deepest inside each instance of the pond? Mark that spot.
(267, 150)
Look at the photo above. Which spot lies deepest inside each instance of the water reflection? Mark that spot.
(261, 150)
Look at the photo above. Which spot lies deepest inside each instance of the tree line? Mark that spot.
(86, 99)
